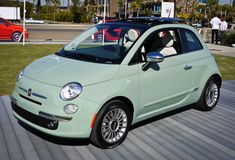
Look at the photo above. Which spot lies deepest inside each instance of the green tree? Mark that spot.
(120, 7)
(136, 5)
(212, 6)
(90, 7)
(76, 11)
(38, 5)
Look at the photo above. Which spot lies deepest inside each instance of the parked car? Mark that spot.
(97, 91)
(109, 34)
(34, 21)
(10, 31)
(197, 25)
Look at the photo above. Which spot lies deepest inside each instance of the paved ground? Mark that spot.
(181, 135)
(222, 50)
(58, 32)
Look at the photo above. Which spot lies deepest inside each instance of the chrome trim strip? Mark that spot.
(38, 95)
(22, 89)
(33, 93)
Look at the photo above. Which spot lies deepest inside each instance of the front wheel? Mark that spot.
(210, 95)
(16, 37)
(112, 125)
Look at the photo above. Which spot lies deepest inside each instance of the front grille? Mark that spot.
(31, 100)
(38, 120)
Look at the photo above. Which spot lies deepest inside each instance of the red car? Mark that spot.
(111, 34)
(10, 31)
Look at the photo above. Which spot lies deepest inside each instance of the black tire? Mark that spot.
(210, 95)
(99, 38)
(15, 37)
(103, 127)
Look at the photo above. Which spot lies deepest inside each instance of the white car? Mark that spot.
(33, 21)
(197, 25)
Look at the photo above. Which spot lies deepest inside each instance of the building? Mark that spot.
(112, 8)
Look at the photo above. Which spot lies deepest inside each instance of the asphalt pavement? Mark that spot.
(54, 32)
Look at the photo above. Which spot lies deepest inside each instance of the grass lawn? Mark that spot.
(14, 58)
(226, 66)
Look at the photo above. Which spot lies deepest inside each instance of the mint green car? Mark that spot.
(98, 89)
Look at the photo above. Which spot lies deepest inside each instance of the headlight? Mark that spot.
(20, 75)
(70, 91)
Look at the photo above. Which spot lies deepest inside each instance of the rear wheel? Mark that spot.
(112, 125)
(99, 38)
(210, 95)
(16, 36)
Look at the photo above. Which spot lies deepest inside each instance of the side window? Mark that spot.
(1, 21)
(190, 42)
(163, 41)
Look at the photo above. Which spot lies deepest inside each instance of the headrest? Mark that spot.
(167, 39)
(132, 35)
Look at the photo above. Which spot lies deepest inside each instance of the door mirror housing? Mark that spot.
(154, 57)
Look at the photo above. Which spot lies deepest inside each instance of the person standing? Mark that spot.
(223, 28)
(215, 22)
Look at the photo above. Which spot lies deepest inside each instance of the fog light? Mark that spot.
(70, 108)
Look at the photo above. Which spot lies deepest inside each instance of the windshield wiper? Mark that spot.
(83, 57)
(95, 59)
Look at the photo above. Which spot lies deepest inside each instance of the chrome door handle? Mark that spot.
(188, 67)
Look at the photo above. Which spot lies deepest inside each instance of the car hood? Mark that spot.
(58, 71)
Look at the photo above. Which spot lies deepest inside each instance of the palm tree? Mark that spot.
(38, 6)
(136, 6)
(212, 6)
(120, 7)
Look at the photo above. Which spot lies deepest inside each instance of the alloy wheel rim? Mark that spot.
(100, 38)
(212, 93)
(16, 37)
(114, 125)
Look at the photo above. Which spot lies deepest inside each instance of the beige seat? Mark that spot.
(131, 36)
(167, 43)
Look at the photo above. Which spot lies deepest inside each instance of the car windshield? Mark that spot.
(104, 43)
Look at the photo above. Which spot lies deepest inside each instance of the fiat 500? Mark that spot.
(97, 90)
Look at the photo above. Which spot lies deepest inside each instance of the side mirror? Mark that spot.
(152, 57)
(155, 57)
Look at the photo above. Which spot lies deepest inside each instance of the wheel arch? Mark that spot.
(218, 78)
(14, 31)
(125, 100)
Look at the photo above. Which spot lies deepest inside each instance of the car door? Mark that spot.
(166, 84)
(5, 29)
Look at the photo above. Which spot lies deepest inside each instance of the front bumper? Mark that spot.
(43, 110)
